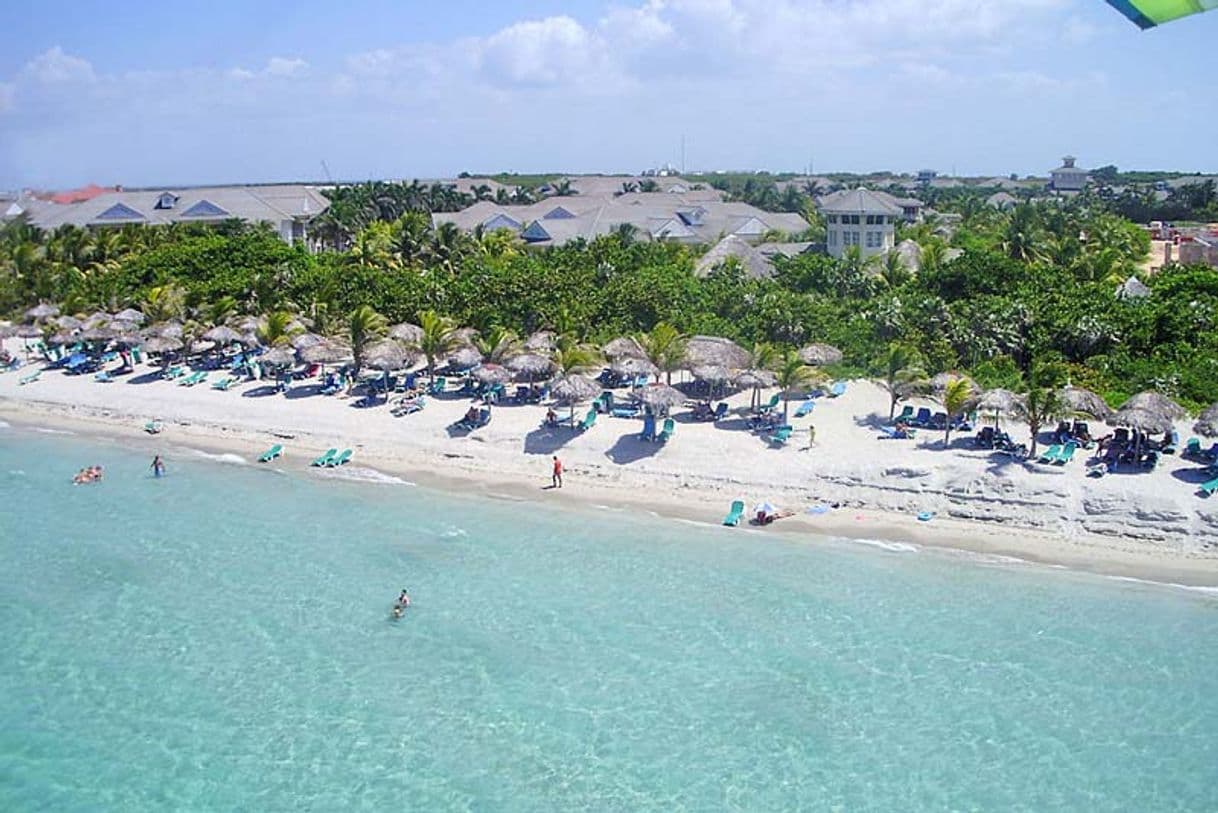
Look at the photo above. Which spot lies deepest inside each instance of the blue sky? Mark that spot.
(163, 93)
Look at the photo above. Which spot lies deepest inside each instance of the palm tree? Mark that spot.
(957, 396)
(763, 356)
(277, 329)
(219, 311)
(893, 269)
(901, 367)
(438, 340)
(364, 326)
(164, 302)
(576, 358)
(1042, 402)
(665, 348)
(497, 344)
(793, 374)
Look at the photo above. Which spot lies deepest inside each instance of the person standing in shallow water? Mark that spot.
(158, 466)
(556, 477)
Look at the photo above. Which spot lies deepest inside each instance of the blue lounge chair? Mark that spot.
(838, 389)
(408, 406)
(173, 372)
(339, 460)
(224, 383)
(735, 514)
(922, 418)
(670, 426)
(103, 377)
(325, 459)
(649, 428)
(1067, 453)
(626, 411)
(805, 408)
(153, 427)
(721, 411)
(271, 453)
(889, 433)
(1192, 449)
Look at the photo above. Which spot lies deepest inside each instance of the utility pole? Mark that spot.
(682, 153)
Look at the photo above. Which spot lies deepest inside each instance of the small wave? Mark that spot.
(894, 547)
(453, 532)
(223, 457)
(47, 431)
(1192, 588)
(5, 425)
(16, 472)
(357, 474)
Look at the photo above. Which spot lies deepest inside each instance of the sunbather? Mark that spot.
(551, 417)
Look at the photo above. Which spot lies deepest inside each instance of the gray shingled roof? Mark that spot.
(755, 264)
(271, 204)
(859, 201)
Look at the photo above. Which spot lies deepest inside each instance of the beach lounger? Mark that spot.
(271, 453)
(1192, 449)
(1209, 488)
(1050, 455)
(626, 411)
(720, 411)
(153, 427)
(103, 377)
(837, 390)
(1170, 446)
(341, 459)
(408, 406)
(805, 408)
(735, 514)
(906, 415)
(780, 436)
(889, 433)
(31, 378)
(438, 385)
(670, 426)
(223, 383)
(588, 422)
(771, 406)
(1067, 453)
(649, 429)
(922, 418)
(325, 458)
(173, 372)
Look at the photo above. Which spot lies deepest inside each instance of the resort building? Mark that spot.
(860, 217)
(288, 208)
(1068, 177)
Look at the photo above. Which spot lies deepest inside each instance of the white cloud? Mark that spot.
(281, 66)
(54, 66)
(556, 50)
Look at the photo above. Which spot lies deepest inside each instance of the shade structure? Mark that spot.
(302, 340)
(324, 353)
(941, 382)
(531, 364)
(1141, 419)
(222, 334)
(1001, 401)
(624, 347)
(251, 339)
(661, 396)
(62, 337)
(464, 335)
(1156, 402)
(68, 322)
(42, 311)
(542, 340)
(632, 366)
(755, 378)
(95, 319)
(1079, 401)
(129, 338)
(712, 373)
(493, 374)
(162, 344)
(279, 356)
(701, 350)
(1207, 424)
(101, 333)
(387, 355)
(819, 355)
(465, 357)
(574, 388)
(28, 331)
(171, 330)
(1149, 13)
(130, 315)
(406, 332)
(247, 324)
(7, 330)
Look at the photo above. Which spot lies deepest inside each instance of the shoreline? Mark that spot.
(459, 471)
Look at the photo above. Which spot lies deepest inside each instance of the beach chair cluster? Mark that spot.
(1059, 454)
(923, 418)
(408, 405)
(332, 458)
(649, 433)
(474, 421)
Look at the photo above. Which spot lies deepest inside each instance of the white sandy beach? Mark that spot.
(1149, 525)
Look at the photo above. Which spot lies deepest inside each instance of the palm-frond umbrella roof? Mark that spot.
(279, 356)
(493, 374)
(541, 340)
(302, 340)
(62, 337)
(162, 344)
(406, 332)
(633, 365)
(388, 354)
(1079, 401)
(755, 377)
(247, 324)
(28, 331)
(222, 334)
(711, 372)
(661, 396)
(1156, 402)
(1145, 420)
(465, 357)
(171, 330)
(7, 330)
(101, 333)
(819, 355)
(943, 380)
(465, 335)
(42, 311)
(624, 347)
(95, 319)
(573, 388)
(324, 353)
(700, 350)
(1000, 400)
(250, 339)
(68, 322)
(530, 364)
(130, 315)
(129, 338)
(1207, 424)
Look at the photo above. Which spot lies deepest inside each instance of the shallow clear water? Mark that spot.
(219, 639)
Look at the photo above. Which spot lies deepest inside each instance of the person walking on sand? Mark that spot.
(556, 478)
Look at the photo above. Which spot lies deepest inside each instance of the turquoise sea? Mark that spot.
(220, 640)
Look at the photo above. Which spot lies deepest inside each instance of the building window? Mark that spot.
(850, 238)
(833, 238)
(832, 218)
(852, 220)
(875, 239)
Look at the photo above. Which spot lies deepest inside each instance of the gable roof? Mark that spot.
(558, 213)
(755, 264)
(500, 221)
(119, 211)
(858, 201)
(535, 233)
(204, 209)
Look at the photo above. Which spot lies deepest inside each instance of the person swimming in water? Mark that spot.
(158, 466)
(401, 604)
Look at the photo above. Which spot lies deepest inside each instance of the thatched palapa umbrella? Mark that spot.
(1156, 402)
(387, 355)
(624, 347)
(701, 350)
(162, 344)
(542, 340)
(101, 333)
(406, 332)
(280, 356)
(324, 353)
(168, 330)
(465, 357)
(302, 340)
(712, 373)
(42, 311)
(1079, 401)
(661, 397)
(1207, 424)
(28, 331)
(1144, 420)
(530, 365)
(573, 389)
(130, 315)
(68, 322)
(7, 330)
(633, 366)
(493, 374)
(1000, 402)
(222, 334)
(96, 319)
(247, 324)
(62, 337)
(820, 355)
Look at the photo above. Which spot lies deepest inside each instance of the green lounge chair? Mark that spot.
(271, 453)
(1209, 488)
(1050, 455)
(670, 426)
(780, 436)
(153, 427)
(325, 459)
(173, 372)
(1192, 448)
(1067, 453)
(734, 516)
(438, 385)
(31, 378)
(223, 384)
(771, 406)
(906, 415)
(340, 460)
(193, 378)
(589, 421)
